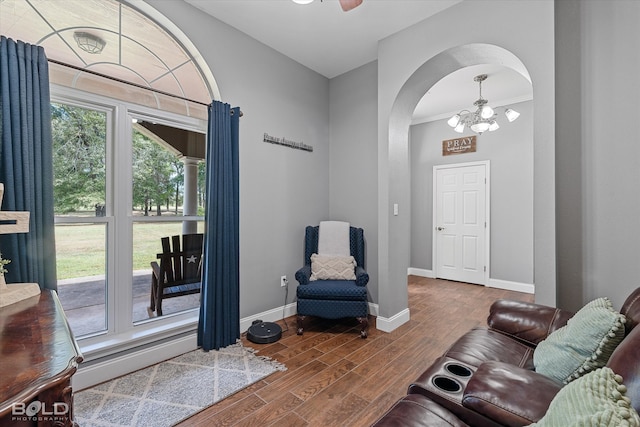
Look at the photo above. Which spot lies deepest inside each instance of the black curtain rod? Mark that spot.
(95, 73)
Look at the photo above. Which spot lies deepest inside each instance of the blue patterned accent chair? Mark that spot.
(333, 299)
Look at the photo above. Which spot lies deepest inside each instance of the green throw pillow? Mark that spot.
(596, 399)
(585, 343)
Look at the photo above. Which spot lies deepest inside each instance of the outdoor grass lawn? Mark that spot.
(81, 248)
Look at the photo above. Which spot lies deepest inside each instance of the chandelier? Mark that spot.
(484, 118)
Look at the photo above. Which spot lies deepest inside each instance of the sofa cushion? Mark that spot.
(502, 392)
(331, 267)
(526, 321)
(482, 345)
(595, 399)
(585, 343)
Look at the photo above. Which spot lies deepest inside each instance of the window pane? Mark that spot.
(79, 141)
(146, 245)
(81, 263)
(79, 189)
(168, 170)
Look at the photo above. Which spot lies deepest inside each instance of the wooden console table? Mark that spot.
(38, 356)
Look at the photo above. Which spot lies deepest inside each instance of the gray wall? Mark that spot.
(353, 158)
(598, 150)
(597, 51)
(281, 189)
(510, 151)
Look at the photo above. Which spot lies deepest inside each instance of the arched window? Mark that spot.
(129, 109)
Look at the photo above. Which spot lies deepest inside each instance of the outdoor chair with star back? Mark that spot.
(179, 271)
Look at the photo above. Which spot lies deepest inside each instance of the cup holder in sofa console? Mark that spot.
(447, 384)
(458, 370)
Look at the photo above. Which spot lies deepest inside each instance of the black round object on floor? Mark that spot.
(264, 332)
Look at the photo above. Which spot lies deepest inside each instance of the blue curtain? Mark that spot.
(26, 161)
(219, 324)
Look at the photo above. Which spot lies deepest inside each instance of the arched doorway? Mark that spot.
(394, 231)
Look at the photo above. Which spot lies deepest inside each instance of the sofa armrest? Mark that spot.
(362, 277)
(526, 321)
(509, 395)
(302, 275)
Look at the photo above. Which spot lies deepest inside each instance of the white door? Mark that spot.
(461, 202)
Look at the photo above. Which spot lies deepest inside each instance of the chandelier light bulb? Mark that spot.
(302, 1)
(511, 114)
(493, 126)
(459, 127)
(453, 121)
(487, 112)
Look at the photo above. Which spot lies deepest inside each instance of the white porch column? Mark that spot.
(190, 202)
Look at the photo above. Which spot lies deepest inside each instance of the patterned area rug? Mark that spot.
(167, 393)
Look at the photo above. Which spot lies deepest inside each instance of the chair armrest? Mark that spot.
(302, 275)
(509, 395)
(362, 277)
(525, 321)
(156, 269)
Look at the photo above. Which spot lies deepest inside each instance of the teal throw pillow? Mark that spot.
(596, 399)
(585, 343)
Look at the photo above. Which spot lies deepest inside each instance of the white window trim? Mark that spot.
(122, 334)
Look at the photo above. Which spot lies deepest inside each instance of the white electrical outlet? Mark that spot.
(283, 281)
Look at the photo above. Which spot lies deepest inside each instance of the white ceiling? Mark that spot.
(331, 42)
(320, 35)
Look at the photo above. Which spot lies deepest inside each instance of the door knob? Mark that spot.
(439, 228)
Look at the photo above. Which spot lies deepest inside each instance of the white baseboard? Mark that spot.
(512, 286)
(412, 271)
(390, 324)
(268, 316)
(373, 309)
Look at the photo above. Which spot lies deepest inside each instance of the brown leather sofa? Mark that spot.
(486, 378)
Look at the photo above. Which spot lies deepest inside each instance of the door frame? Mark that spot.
(434, 246)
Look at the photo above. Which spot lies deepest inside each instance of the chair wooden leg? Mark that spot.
(154, 285)
(159, 292)
(364, 322)
(300, 320)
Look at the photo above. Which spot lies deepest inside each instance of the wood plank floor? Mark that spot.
(335, 378)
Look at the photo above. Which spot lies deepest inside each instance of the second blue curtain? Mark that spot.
(219, 324)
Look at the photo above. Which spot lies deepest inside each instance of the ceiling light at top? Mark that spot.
(89, 43)
(484, 118)
(303, 1)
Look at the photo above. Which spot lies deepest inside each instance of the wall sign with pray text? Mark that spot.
(464, 144)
